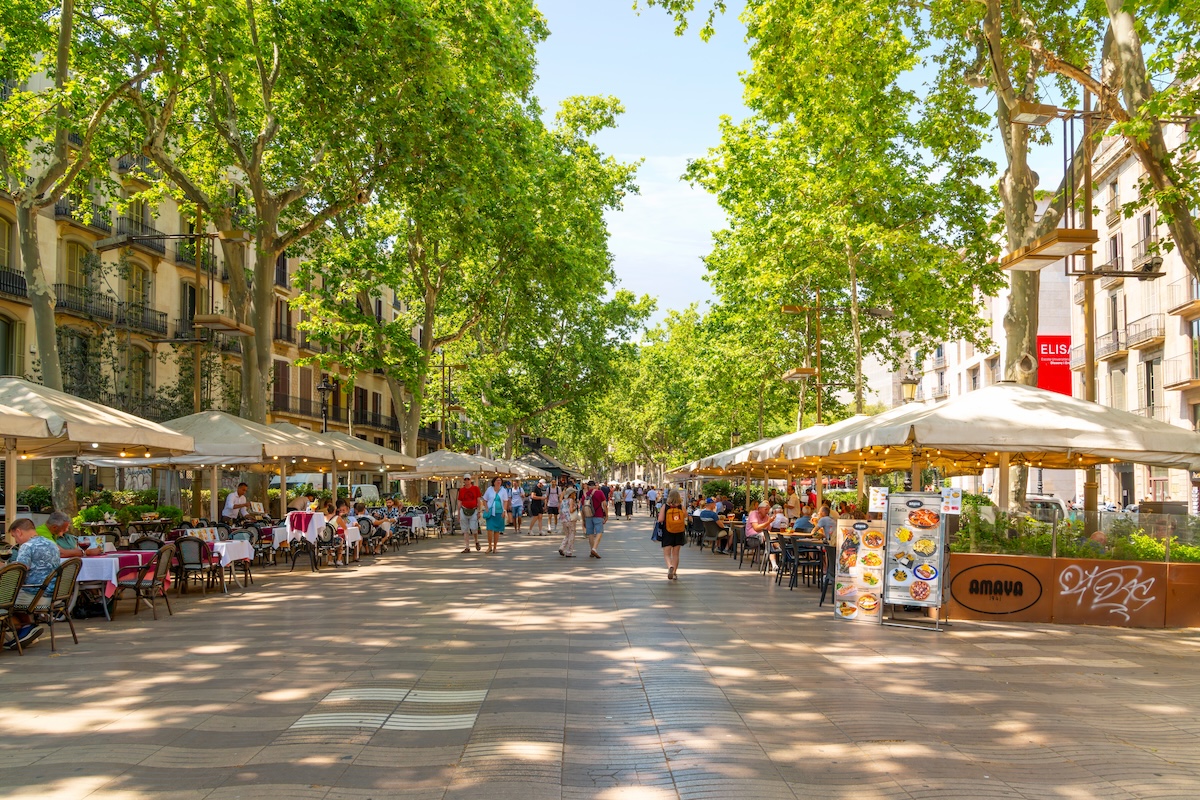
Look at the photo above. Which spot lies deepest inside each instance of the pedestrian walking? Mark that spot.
(568, 510)
(672, 521)
(553, 501)
(595, 512)
(537, 506)
(517, 500)
(496, 507)
(652, 501)
(628, 501)
(468, 512)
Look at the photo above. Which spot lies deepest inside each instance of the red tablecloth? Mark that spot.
(112, 567)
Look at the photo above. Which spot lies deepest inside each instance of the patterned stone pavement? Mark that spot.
(430, 674)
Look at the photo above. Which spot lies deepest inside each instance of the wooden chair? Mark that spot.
(150, 581)
(55, 597)
(12, 578)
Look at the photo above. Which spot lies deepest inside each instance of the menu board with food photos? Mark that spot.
(916, 550)
(858, 578)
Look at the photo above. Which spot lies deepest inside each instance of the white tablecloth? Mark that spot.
(104, 570)
(233, 550)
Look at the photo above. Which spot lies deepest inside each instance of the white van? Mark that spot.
(367, 493)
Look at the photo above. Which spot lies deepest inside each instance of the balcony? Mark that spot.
(149, 237)
(229, 344)
(146, 406)
(429, 434)
(384, 422)
(85, 302)
(1144, 333)
(1183, 298)
(1153, 412)
(1111, 345)
(1115, 264)
(7, 85)
(1112, 212)
(1077, 292)
(185, 253)
(285, 333)
(1143, 250)
(87, 215)
(138, 167)
(939, 362)
(297, 406)
(311, 345)
(75, 139)
(1078, 356)
(1181, 373)
(941, 392)
(140, 317)
(12, 283)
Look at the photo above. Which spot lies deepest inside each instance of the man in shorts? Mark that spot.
(599, 514)
(553, 501)
(468, 512)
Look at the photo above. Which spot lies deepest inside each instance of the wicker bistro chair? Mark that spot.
(55, 596)
(244, 535)
(150, 580)
(196, 558)
(147, 543)
(329, 544)
(12, 578)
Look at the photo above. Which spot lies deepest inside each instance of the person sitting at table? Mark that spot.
(377, 522)
(779, 520)
(301, 502)
(336, 516)
(237, 505)
(757, 525)
(57, 529)
(804, 523)
(40, 557)
(709, 513)
(826, 525)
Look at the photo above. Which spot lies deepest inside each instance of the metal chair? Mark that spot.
(151, 580)
(60, 585)
(755, 545)
(12, 578)
(712, 532)
(147, 543)
(329, 544)
(196, 558)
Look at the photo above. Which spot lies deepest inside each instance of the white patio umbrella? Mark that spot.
(223, 439)
(60, 424)
(343, 453)
(388, 459)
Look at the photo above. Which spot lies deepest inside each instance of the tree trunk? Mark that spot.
(1130, 68)
(262, 310)
(852, 264)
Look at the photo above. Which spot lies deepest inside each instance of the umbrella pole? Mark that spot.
(862, 486)
(1002, 483)
(212, 496)
(10, 485)
(283, 498)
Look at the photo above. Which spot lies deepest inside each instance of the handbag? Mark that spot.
(656, 534)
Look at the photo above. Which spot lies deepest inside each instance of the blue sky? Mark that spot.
(675, 89)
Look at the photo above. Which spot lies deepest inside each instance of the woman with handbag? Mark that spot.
(566, 520)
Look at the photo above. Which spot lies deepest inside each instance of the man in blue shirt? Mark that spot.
(709, 512)
(40, 556)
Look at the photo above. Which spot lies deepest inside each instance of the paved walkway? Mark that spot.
(431, 674)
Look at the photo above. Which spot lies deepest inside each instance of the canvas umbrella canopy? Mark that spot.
(549, 464)
(447, 464)
(72, 427)
(389, 459)
(519, 469)
(223, 439)
(347, 454)
(1004, 424)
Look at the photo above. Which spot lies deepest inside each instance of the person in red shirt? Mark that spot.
(595, 523)
(468, 512)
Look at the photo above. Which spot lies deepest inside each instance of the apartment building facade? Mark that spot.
(125, 320)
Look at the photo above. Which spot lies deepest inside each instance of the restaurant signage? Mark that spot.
(996, 589)
(858, 579)
(916, 550)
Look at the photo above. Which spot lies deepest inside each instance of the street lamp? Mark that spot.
(908, 387)
(323, 389)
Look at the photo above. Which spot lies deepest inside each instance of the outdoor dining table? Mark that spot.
(144, 526)
(101, 572)
(231, 551)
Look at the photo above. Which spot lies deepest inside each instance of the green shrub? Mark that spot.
(174, 513)
(38, 498)
(969, 499)
(835, 496)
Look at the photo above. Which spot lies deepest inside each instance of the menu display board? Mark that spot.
(858, 578)
(877, 499)
(916, 550)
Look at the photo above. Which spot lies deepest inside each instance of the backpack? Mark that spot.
(674, 520)
(588, 509)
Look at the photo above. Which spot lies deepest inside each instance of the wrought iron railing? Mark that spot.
(140, 317)
(85, 301)
(149, 236)
(12, 283)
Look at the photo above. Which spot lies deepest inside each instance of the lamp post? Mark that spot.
(908, 387)
(323, 389)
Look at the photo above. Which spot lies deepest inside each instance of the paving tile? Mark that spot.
(588, 680)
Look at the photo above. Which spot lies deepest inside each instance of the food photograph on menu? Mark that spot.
(915, 551)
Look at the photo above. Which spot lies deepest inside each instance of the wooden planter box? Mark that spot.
(1134, 594)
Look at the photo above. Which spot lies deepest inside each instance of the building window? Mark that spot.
(80, 364)
(993, 366)
(6, 242)
(974, 376)
(138, 378)
(138, 285)
(75, 268)
(1116, 390)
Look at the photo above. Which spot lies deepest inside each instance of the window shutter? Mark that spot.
(1157, 378)
(16, 358)
(1141, 385)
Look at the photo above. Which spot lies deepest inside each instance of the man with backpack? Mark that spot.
(595, 513)
(553, 499)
